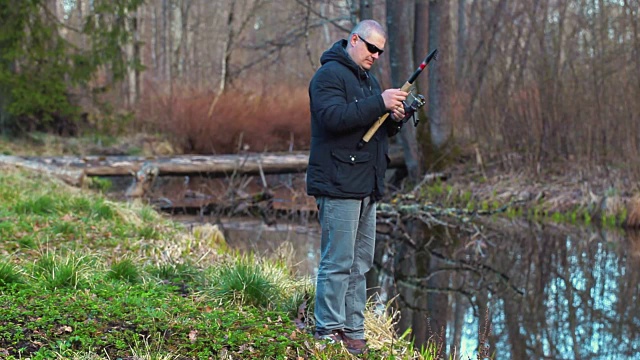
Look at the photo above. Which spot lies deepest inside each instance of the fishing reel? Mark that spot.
(410, 110)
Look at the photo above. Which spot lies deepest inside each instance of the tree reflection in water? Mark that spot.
(544, 291)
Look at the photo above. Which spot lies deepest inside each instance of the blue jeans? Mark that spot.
(347, 246)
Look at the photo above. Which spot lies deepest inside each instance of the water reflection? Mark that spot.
(253, 235)
(542, 292)
(523, 290)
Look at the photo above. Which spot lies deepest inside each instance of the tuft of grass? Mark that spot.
(56, 272)
(146, 350)
(245, 282)
(148, 214)
(148, 232)
(176, 273)
(64, 228)
(102, 210)
(125, 270)
(9, 275)
(42, 205)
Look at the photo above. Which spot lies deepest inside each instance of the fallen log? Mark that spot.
(71, 176)
(183, 165)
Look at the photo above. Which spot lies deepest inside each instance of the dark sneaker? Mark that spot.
(334, 337)
(355, 346)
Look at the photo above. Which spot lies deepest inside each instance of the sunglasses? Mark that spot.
(372, 48)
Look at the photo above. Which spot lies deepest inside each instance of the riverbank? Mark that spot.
(567, 191)
(87, 278)
(62, 244)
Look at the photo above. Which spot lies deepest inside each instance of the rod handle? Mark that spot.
(376, 125)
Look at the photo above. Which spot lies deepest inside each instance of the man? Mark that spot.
(346, 181)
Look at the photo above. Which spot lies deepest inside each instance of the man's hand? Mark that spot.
(393, 101)
(398, 114)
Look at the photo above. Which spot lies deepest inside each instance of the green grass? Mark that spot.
(82, 277)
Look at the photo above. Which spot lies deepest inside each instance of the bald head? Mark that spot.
(367, 28)
(366, 43)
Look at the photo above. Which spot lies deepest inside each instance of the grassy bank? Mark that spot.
(575, 194)
(82, 277)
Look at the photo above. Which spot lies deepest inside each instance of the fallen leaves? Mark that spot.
(193, 336)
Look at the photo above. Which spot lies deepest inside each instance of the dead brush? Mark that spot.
(265, 121)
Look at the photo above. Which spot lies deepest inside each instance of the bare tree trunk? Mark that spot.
(155, 39)
(633, 19)
(81, 7)
(482, 55)
(632, 16)
(5, 117)
(401, 55)
(226, 49)
(165, 39)
(138, 49)
(5, 98)
(130, 24)
(461, 39)
(177, 37)
(168, 31)
(180, 52)
(5, 93)
(439, 124)
(196, 73)
(325, 26)
(596, 47)
(226, 57)
(366, 9)
(421, 46)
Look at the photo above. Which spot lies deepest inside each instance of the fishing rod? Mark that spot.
(407, 85)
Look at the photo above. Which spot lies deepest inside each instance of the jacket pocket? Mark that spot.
(354, 173)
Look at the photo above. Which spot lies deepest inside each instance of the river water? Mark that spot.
(517, 290)
(511, 289)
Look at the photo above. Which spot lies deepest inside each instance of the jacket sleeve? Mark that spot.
(337, 113)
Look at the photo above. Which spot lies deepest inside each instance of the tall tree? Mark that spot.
(461, 37)
(402, 65)
(439, 124)
(366, 9)
(421, 44)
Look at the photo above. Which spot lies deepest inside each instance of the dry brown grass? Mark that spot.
(272, 119)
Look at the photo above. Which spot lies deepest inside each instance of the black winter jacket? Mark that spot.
(345, 101)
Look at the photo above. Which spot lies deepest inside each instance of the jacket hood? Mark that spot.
(338, 53)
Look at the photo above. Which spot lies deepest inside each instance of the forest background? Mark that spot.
(522, 84)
